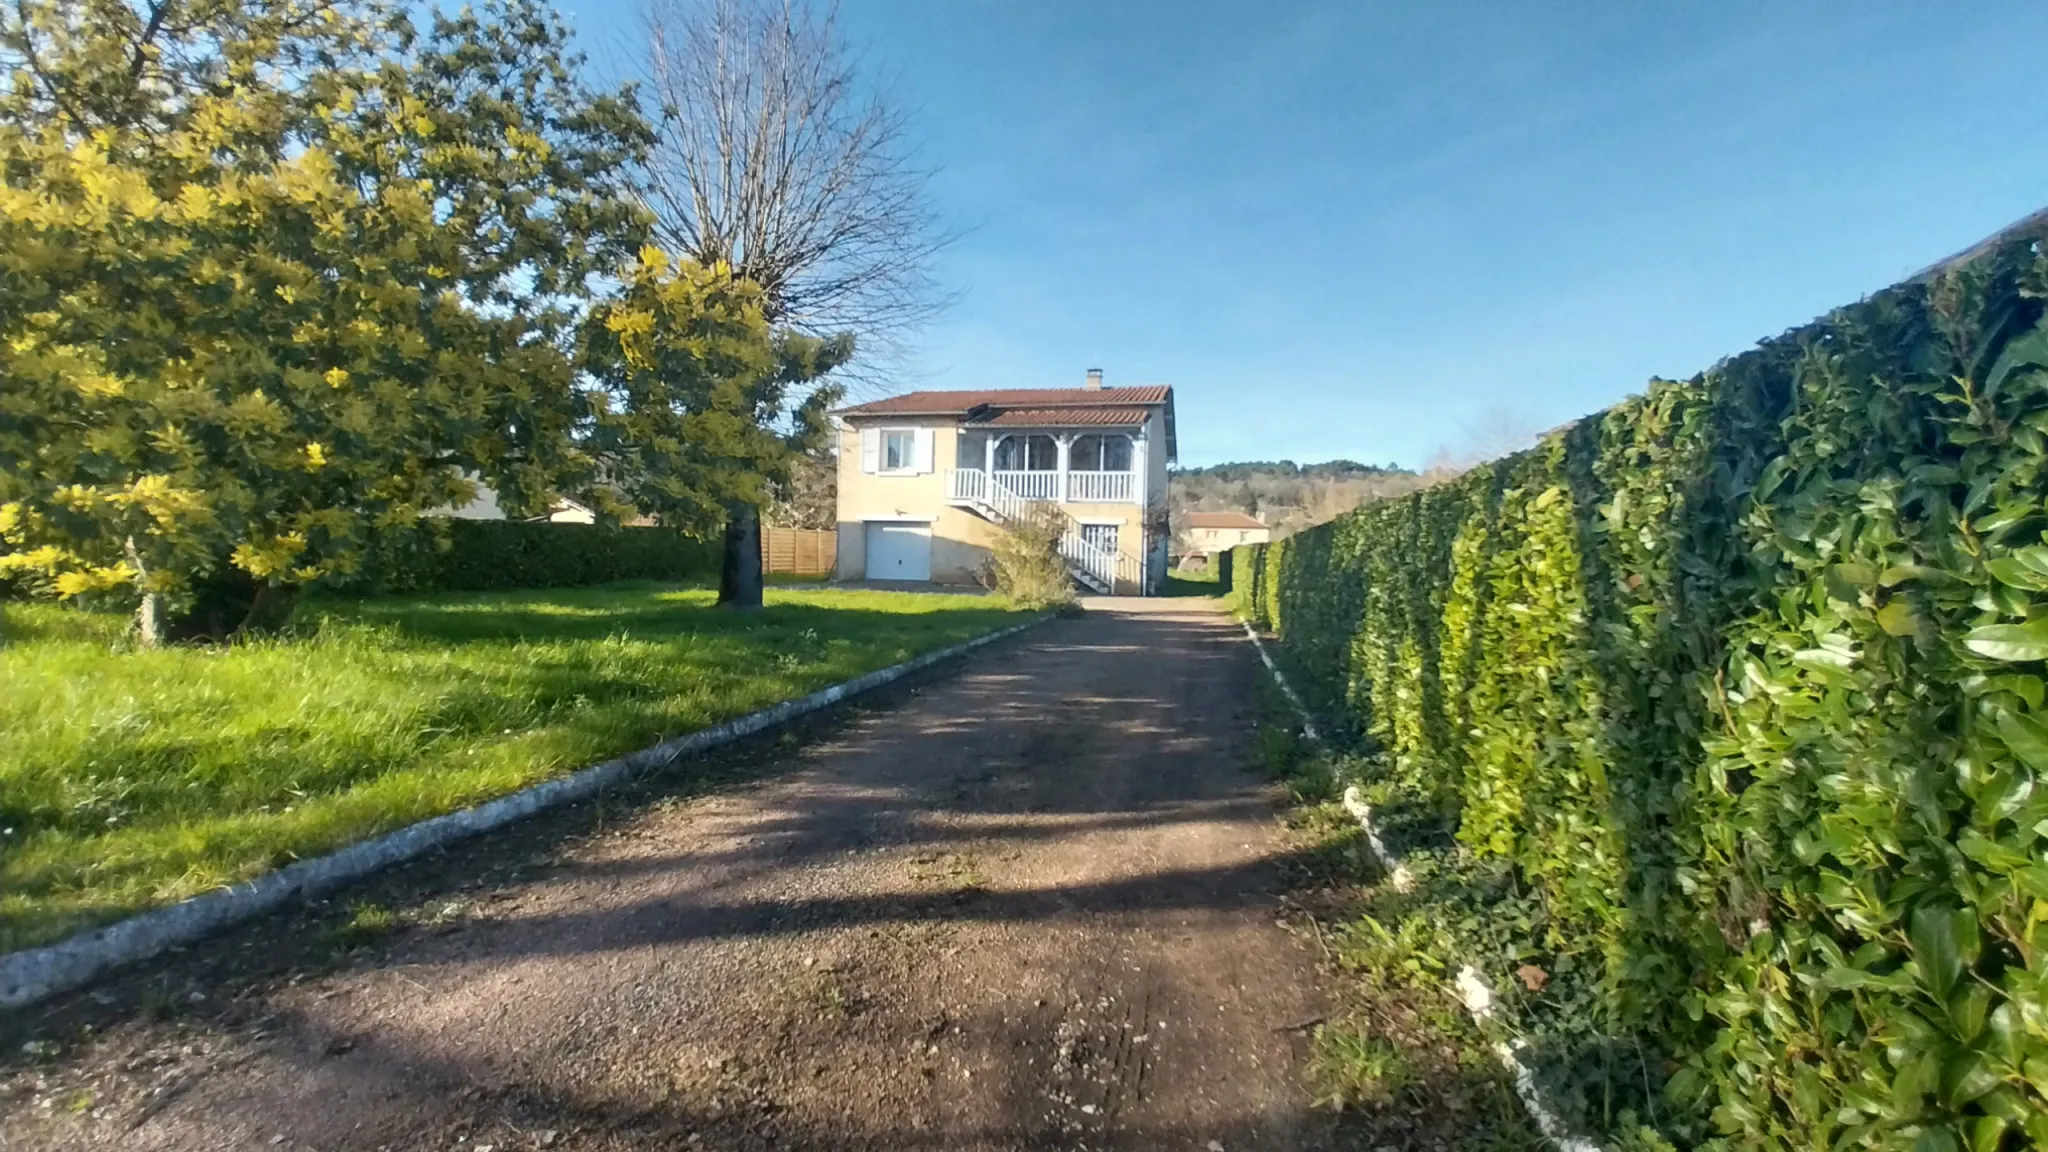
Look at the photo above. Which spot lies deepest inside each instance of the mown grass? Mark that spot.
(131, 779)
(1193, 582)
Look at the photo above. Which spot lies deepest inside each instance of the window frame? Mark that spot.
(1102, 441)
(1027, 439)
(909, 440)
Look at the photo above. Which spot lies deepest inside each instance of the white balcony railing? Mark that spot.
(1031, 485)
(968, 484)
(1100, 487)
(972, 484)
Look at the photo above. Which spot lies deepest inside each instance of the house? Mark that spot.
(561, 510)
(1207, 533)
(927, 481)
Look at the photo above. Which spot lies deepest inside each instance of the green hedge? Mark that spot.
(1744, 678)
(448, 555)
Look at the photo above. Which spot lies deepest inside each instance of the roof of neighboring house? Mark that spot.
(1035, 408)
(1222, 520)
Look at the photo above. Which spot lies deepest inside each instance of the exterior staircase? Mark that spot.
(1092, 567)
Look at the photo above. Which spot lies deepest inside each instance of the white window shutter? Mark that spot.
(924, 450)
(871, 450)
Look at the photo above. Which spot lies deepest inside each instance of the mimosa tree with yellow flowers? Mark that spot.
(279, 276)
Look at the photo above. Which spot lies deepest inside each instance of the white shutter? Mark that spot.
(924, 450)
(871, 450)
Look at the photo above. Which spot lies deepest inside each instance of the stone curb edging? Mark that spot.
(1473, 990)
(34, 973)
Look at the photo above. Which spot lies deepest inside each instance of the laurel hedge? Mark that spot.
(1744, 680)
(451, 555)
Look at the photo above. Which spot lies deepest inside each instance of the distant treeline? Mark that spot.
(1286, 495)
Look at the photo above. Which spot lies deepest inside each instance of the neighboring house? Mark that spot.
(928, 479)
(1207, 533)
(483, 507)
(561, 510)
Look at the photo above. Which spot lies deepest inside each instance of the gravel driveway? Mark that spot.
(1030, 906)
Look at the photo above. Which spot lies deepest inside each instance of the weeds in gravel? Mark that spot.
(1284, 754)
(956, 872)
(823, 994)
(367, 923)
(130, 779)
(1351, 1068)
(1405, 1059)
(1399, 1057)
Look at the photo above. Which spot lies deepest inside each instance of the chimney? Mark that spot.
(1094, 380)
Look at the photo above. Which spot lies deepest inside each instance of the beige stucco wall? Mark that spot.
(960, 539)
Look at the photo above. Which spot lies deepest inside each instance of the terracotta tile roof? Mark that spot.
(1222, 520)
(1061, 418)
(949, 403)
(1041, 407)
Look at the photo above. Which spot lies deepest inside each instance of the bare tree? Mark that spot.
(810, 497)
(1498, 431)
(774, 158)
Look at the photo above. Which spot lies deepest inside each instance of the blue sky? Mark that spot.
(1344, 228)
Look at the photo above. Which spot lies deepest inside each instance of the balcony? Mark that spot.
(971, 485)
(1101, 488)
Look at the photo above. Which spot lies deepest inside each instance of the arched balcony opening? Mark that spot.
(1099, 468)
(1066, 467)
(1035, 452)
(1029, 465)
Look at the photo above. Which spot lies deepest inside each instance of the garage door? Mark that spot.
(899, 552)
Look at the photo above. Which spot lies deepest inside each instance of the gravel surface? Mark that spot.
(1031, 905)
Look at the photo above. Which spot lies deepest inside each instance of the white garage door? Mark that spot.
(899, 552)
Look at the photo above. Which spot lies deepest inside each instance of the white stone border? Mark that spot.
(1354, 803)
(34, 973)
(1308, 726)
(1473, 990)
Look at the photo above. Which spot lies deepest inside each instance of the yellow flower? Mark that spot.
(316, 456)
(336, 377)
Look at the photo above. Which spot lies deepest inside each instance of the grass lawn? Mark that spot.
(1199, 582)
(131, 779)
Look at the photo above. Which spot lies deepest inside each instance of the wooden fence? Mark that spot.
(801, 551)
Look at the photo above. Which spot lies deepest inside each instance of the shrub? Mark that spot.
(1744, 679)
(1028, 566)
(448, 555)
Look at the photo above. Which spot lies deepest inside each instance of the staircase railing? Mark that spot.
(988, 491)
(1097, 562)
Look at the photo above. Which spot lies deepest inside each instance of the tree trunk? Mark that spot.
(271, 611)
(149, 615)
(739, 571)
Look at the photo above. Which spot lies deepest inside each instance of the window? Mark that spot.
(896, 451)
(899, 450)
(1027, 454)
(1102, 536)
(1095, 453)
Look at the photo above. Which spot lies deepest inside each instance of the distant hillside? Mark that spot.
(1284, 494)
